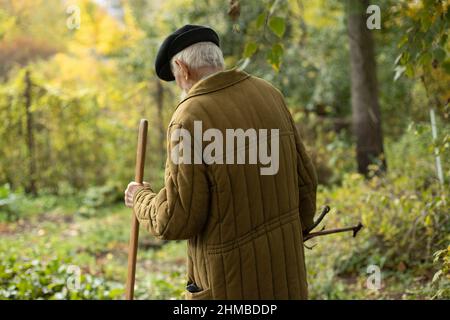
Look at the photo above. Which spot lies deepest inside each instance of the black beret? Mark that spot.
(177, 41)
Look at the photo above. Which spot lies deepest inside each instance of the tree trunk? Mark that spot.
(364, 90)
(31, 185)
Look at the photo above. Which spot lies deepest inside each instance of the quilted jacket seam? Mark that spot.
(269, 226)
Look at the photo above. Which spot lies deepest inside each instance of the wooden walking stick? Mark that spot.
(134, 234)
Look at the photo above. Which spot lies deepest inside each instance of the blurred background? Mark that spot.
(369, 88)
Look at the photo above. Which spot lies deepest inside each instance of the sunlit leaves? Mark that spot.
(7, 23)
(424, 44)
(274, 56)
(250, 49)
(278, 26)
(268, 30)
(261, 20)
(424, 48)
(98, 31)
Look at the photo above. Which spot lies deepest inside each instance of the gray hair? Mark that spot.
(200, 54)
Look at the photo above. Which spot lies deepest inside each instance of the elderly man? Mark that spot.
(243, 224)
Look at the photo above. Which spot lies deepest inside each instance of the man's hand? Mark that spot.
(131, 189)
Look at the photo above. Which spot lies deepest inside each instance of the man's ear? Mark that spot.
(183, 68)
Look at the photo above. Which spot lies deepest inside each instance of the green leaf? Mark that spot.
(425, 59)
(250, 49)
(274, 56)
(261, 20)
(405, 58)
(426, 22)
(277, 49)
(278, 26)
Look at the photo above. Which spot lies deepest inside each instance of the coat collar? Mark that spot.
(215, 82)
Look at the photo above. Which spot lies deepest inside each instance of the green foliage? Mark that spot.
(90, 87)
(250, 49)
(55, 279)
(16, 205)
(278, 26)
(97, 245)
(405, 214)
(98, 197)
(8, 204)
(441, 279)
(424, 49)
(274, 56)
(426, 39)
(405, 218)
(86, 107)
(164, 285)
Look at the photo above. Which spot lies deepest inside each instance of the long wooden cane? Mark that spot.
(134, 234)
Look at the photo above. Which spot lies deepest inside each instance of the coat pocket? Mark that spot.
(200, 295)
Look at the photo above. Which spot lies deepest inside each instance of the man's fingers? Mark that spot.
(130, 190)
(127, 199)
(133, 183)
(129, 202)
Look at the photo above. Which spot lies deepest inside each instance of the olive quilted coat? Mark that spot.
(244, 229)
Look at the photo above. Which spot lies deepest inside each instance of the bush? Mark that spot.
(98, 197)
(405, 218)
(8, 204)
(15, 205)
(441, 279)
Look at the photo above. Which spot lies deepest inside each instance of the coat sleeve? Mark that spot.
(179, 210)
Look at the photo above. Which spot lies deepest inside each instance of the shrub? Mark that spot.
(405, 218)
(98, 197)
(441, 279)
(15, 205)
(8, 204)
